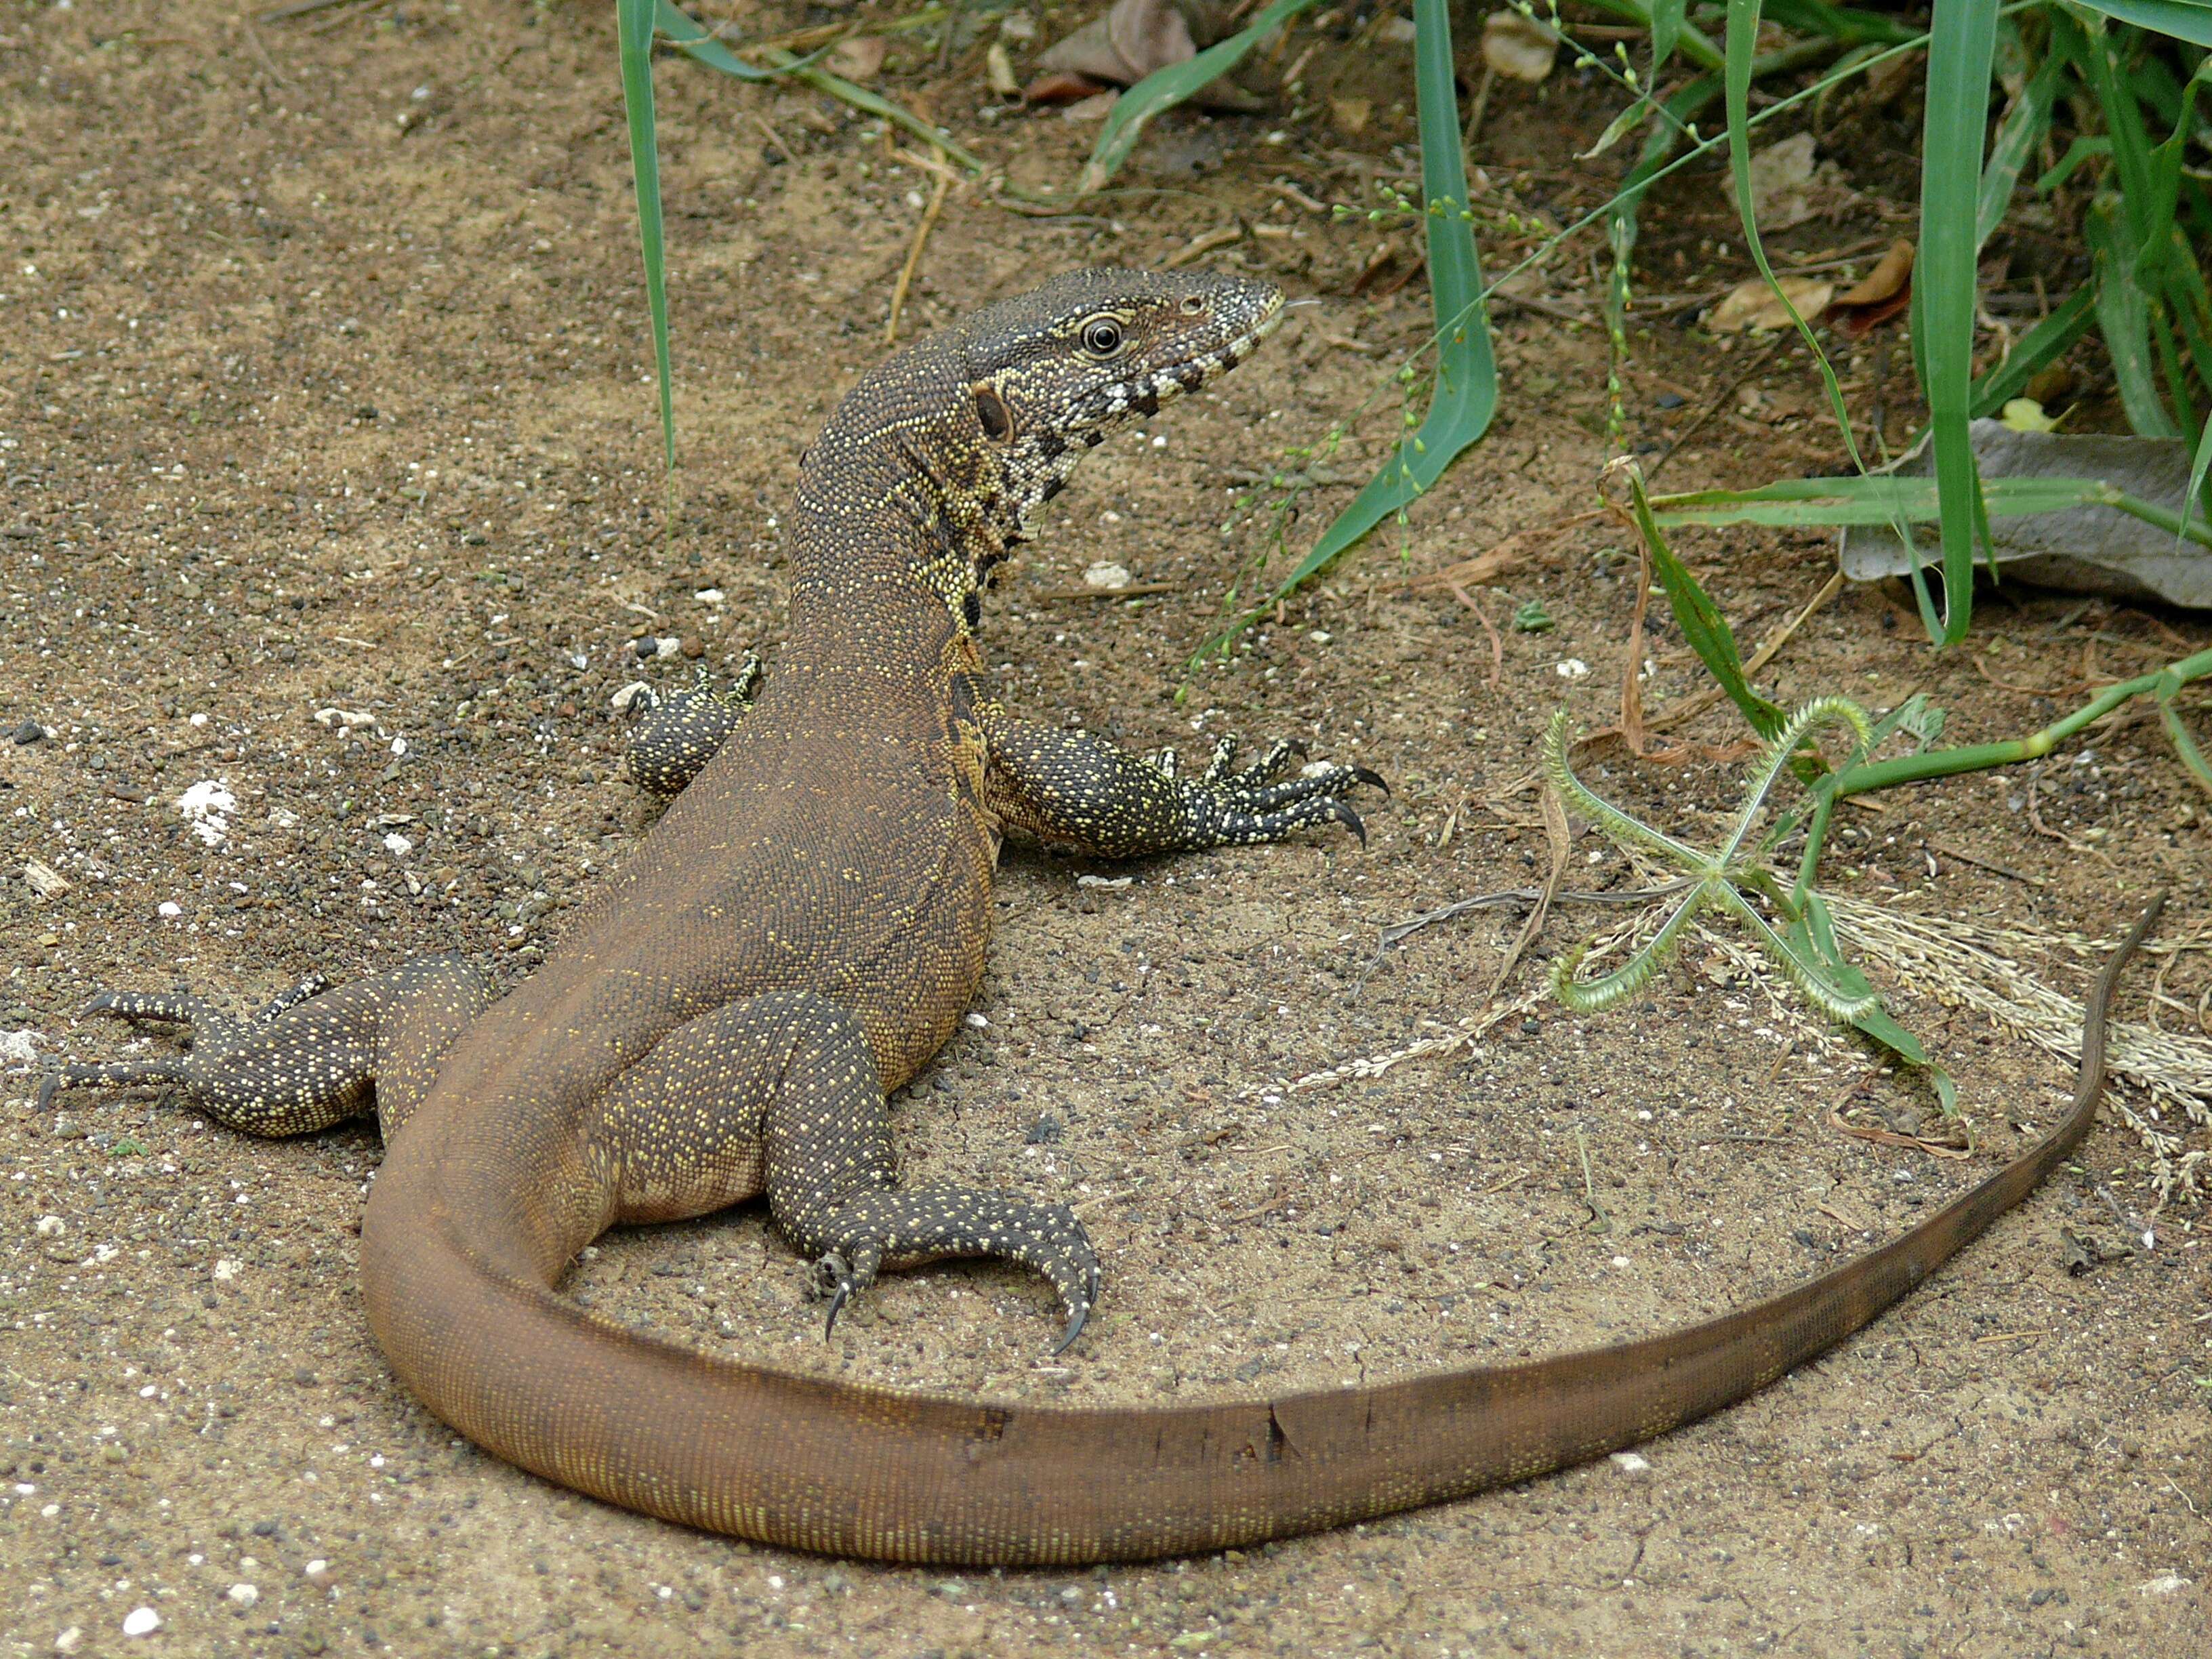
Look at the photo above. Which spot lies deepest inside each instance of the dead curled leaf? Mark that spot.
(1885, 292)
(1519, 48)
(1753, 307)
(1061, 87)
(1886, 281)
(1135, 38)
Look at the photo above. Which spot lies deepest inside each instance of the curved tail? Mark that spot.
(813, 1464)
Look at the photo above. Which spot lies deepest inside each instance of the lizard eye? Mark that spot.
(1102, 336)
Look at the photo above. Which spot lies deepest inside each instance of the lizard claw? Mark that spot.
(1075, 1322)
(1375, 780)
(1079, 1314)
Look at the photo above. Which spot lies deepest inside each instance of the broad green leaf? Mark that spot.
(1162, 90)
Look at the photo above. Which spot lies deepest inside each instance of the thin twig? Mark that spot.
(253, 40)
(1414, 925)
(1950, 852)
(775, 139)
(1652, 472)
(301, 9)
(1496, 644)
(1555, 832)
(913, 254)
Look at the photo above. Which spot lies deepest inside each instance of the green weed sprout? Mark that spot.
(1716, 879)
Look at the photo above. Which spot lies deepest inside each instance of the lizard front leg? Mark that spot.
(314, 1057)
(681, 730)
(1073, 790)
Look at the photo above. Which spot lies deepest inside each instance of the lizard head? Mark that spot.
(1053, 372)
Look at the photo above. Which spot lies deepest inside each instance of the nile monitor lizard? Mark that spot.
(797, 934)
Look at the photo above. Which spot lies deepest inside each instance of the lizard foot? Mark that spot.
(1260, 802)
(681, 730)
(902, 1230)
(208, 1027)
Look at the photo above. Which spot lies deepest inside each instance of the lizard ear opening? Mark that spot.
(991, 409)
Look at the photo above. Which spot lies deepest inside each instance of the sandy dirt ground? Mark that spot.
(331, 484)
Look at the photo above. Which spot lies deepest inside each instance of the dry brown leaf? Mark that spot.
(1781, 175)
(1753, 306)
(1096, 107)
(1350, 114)
(1519, 48)
(1149, 35)
(1061, 87)
(1885, 282)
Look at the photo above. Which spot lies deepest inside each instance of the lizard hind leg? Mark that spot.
(312, 1058)
(780, 1093)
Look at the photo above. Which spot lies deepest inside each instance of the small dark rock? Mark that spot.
(29, 733)
(1670, 400)
(1046, 1130)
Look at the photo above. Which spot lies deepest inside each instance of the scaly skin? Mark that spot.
(800, 932)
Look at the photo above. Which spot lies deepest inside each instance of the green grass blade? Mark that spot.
(686, 33)
(1694, 44)
(1703, 629)
(1840, 22)
(2046, 343)
(1814, 934)
(2194, 501)
(1665, 32)
(1465, 394)
(846, 92)
(1162, 90)
(634, 20)
(1945, 280)
(1740, 68)
(2123, 317)
(2184, 20)
(2021, 136)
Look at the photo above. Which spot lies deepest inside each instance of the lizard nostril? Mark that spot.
(1193, 304)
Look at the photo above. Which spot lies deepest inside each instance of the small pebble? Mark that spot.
(29, 733)
(245, 1594)
(141, 1621)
